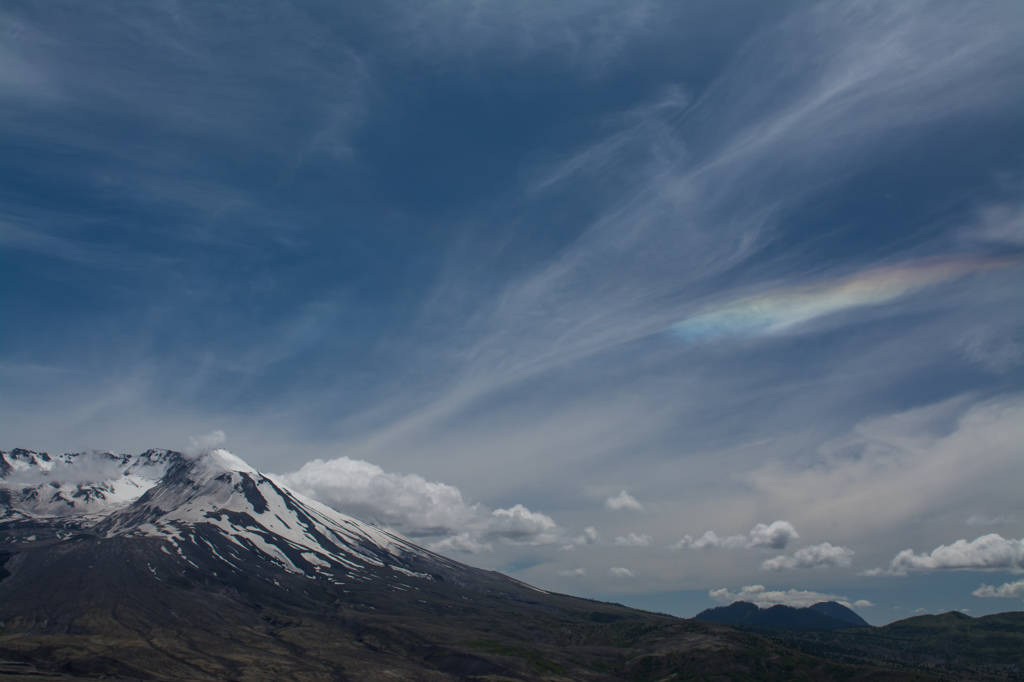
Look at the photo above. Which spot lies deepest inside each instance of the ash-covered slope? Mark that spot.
(162, 566)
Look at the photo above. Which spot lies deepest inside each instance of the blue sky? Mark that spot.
(548, 287)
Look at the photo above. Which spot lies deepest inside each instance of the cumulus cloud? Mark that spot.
(623, 501)
(775, 535)
(590, 536)
(573, 572)
(762, 597)
(418, 507)
(825, 555)
(620, 572)
(1006, 590)
(987, 552)
(634, 540)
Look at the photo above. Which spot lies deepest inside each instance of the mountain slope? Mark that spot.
(162, 566)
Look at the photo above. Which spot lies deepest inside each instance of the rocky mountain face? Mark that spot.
(165, 566)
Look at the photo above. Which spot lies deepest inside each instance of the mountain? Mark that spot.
(821, 616)
(170, 567)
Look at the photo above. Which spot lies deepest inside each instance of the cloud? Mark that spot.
(200, 445)
(520, 525)
(890, 470)
(463, 542)
(619, 572)
(1007, 590)
(634, 540)
(775, 535)
(997, 347)
(418, 507)
(782, 309)
(824, 555)
(590, 536)
(1000, 223)
(573, 572)
(623, 501)
(758, 594)
(588, 36)
(988, 552)
(987, 520)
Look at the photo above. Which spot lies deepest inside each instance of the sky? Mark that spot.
(668, 304)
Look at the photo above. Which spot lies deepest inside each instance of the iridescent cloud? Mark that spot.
(784, 308)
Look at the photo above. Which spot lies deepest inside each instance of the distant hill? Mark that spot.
(821, 616)
(952, 644)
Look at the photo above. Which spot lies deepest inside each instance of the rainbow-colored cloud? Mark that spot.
(784, 308)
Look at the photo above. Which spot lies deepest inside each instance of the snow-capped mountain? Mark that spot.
(162, 566)
(213, 505)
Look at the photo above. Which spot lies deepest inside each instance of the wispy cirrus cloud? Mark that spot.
(783, 309)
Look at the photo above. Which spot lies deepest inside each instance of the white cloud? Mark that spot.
(418, 507)
(590, 536)
(623, 501)
(573, 572)
(1007, 590)
(634, 540)
(521, 525)
(758, 594)
(987, 552)
(619, 572)
(775, 535)
(824, 555)
(200, 445)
